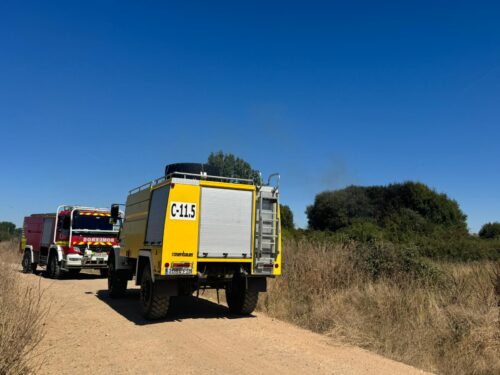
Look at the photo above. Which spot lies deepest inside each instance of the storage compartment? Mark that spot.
(48, 231)
(225, 223)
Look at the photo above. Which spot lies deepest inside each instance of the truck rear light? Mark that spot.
(276, 265)
(167, 265)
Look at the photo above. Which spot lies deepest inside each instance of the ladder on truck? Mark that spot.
(266, 229)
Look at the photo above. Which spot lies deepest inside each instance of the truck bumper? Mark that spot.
(79, 261)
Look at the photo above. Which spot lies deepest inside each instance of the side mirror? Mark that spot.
(115, 211)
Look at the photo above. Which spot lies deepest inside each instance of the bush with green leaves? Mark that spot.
(409, 207)
(9, 231)
(490, 230)
(286, 217)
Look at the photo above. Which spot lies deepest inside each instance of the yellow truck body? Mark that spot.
(193, 231)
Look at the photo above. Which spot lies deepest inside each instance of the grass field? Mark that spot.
(442, 317)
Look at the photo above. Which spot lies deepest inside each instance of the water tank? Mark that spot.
(194, 168)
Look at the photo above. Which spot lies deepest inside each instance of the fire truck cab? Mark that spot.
(72, 239)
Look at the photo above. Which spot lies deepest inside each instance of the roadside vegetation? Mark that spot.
(394, 269)
(8, 231)
(436, 315)
(22, 316)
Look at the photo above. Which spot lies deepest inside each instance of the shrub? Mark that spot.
(8, 231)
(381, 298)
(490, 230)
(22, 316)
(408, 207)
(286, 217)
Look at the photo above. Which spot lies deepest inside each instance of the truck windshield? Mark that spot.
(91, 222)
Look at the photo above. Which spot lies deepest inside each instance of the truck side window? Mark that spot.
(60, 224)
(156, 217)
(66, 222)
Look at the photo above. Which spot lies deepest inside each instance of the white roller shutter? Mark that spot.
(225, 223)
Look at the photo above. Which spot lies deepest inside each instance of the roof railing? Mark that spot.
(68, 207)
(186, 175)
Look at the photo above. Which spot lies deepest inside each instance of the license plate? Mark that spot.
(179, 271)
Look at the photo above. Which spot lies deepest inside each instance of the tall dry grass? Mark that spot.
(22, 316)
(438, 317)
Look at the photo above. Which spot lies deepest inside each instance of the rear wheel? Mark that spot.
(103, 272)
(241, 300)
(26, 262)
(154, 302)
(117, 280)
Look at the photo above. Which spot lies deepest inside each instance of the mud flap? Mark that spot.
(167, 287)
(257, 284)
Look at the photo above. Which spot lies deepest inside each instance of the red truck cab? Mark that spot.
(72, 239)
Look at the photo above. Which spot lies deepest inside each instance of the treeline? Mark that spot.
(8, 231)
(411, 215)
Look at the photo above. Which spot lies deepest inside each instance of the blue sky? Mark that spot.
(96, 97)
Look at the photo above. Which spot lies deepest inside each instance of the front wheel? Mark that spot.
(154, 302)
(54, 269)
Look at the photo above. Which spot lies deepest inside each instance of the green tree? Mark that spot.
(229, 165)
(399, 209)
(333, 210)
(286, 217)
(8, 230)
(490, 230)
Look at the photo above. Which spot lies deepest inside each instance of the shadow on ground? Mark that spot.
(70, 276)
(181, 308)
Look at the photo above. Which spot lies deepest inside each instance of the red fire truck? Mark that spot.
(73, 238)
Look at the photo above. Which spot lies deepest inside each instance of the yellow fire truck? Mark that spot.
(192, 229)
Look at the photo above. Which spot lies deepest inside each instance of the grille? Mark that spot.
(100, 248)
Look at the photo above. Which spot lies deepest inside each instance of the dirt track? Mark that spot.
(92, 334)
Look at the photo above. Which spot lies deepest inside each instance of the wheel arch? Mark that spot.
(29, 248)
(56, 251)
(144, 258)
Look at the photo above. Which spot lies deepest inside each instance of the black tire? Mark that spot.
(240, 300)
(154, 302)
(26, 262)
(54, 268)
(103, 272)
(33, 267)
(117, 280)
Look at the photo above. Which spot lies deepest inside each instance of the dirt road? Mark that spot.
(89, 333)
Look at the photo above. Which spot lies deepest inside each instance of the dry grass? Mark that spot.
(449, 324)
(22, 316)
